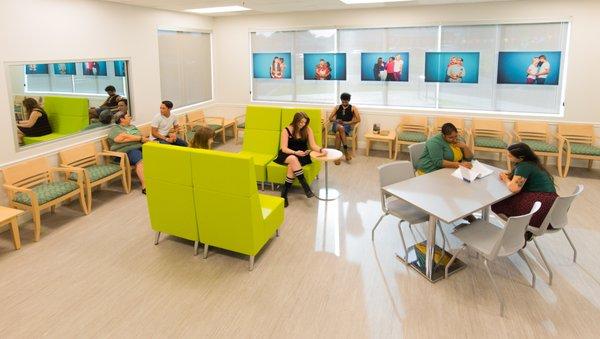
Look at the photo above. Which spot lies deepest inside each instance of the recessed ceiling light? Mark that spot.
(223, 9)
(355, 2)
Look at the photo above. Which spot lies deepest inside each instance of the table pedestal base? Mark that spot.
(438, 269)
(328, 194)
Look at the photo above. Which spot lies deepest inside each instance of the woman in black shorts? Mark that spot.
(295, 152)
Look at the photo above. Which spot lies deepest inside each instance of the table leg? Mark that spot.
(14, 226)
(485, 213)
(430, 247)
(390, 146)
(334, 193)
(368, 146)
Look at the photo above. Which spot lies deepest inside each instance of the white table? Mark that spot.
(448, 199)
(331, 155)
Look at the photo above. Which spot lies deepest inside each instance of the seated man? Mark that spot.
(126, 138)
(344, 117)
(165, 127)
(110, 104)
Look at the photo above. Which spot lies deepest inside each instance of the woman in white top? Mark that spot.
(532, 70)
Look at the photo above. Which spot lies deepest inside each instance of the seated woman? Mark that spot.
(37, 124)
(126, 138)
(203, 137)
(531, 181)
(295, 153)
(444, 150)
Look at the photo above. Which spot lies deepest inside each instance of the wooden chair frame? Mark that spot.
(353, 138)
(86, 155)
(490, 128)
(459, 123)
(197, 117)
(410, 123)
(579, 134)
(532, 130)
(22, 177)
(238, 120)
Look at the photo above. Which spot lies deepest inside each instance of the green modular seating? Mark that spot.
(263, 117)
(231, 214)
(276, 173)
(209, 196)
(66, 115)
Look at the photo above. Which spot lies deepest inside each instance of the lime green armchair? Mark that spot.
(263, 117)
(275, 172)
(230, 213)
(66, 116)
(170, 191)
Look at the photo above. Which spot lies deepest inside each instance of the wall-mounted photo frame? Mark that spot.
(272, 65)
(65, 68)
(324, 66)
(36, 69)
(452, 67)
(529, 68)
(94, 68)
(119, 68)
(384, 66)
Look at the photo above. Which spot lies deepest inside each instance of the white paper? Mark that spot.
(479, 170)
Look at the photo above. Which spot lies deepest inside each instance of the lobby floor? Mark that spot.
(101, 275)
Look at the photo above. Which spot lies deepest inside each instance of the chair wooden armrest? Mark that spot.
(564, 143)
(17, 189)
(67, 170)
(112, 154)
(354, 128)
(221, 120)
(239, 117)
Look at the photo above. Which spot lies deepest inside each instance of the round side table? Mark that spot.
(332, 155)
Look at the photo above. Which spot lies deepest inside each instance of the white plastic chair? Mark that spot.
(492, 241)
(415, 151)
(389, 174)
(557, 217)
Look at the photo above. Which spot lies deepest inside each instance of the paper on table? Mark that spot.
(479, 170)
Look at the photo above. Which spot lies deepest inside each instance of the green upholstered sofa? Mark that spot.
(66, 115)
(210, 197)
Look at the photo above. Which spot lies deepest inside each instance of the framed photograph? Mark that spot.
(36, 69)
(94, 68)
(272, 65)
(384, 66)
(324, 66)
(452, 67)
(119, 68)
(529, 68)
(67, 68)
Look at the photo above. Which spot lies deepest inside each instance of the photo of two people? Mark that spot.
(384, 66)
(65, 69)
(452, 67)
(36, 69)
(272, 65)
(532, 68)
(96, 68)
(324, 66)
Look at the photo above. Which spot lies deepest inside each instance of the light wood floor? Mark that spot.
(101, 276)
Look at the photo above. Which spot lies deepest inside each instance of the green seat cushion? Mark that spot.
(541, 146)
(241, 125)
(47, 192)
(412, 136)
(214, 127)
(97, 172)
(490, 142)
(585, 149)
(32, 140)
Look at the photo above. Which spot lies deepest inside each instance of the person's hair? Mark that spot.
(202, 137)
(105, 117)
(110, 88)
(30, 104)
(448, 128)
(124, 100)
(296, 121)
(168, 103)
(345, 96)
(522, 151)
(118, 117)
(543, 56)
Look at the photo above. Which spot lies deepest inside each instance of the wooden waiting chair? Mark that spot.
(182, 123)
(488, 135)
(33, 186)
(217, 124)
(580, 143)
(96, 170)
(240, 123)
(352, 138)
(411, 130)
(459, 123)
(538, 137)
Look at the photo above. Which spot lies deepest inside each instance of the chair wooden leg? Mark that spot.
(53, 209)
(590, 164)
(82, 201)
(223, 135)
(14, 227)
(37, 224)
(559, 165)
(567, 166)
(126, 186)
(89, 198)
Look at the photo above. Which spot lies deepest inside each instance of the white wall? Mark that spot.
(582, 96)
(41, 30)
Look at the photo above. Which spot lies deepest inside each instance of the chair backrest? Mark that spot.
(67, 115)
(413, 123)
(558, 214)
(581, 134)
(79, 156)
(394, 172)
(145, 130)
(459, 123)
(415, 151)
(196, 117)
(263, 117)
(261, 141)
(513, 235)
(531, 130)
(287, 115)
(105, 144)
(487, 127)
(28, 173)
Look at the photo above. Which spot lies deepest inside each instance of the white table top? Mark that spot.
(448, 198)
(332, 155)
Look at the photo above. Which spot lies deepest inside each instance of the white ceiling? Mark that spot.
(280, 6)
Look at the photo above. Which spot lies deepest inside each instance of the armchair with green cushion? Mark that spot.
(66, 116)
(275, 172)
(229, 211)
(170, 191)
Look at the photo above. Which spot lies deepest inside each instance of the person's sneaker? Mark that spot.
(143, 191)
(348, 156)
(337, 162)
(285, 202)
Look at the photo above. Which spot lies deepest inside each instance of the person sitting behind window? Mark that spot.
(202, 138)
(126, 138)
(37, 124)
(531, 181)
(105, 120)
(110, 104)
(444, 150)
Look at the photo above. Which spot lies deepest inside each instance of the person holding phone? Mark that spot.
(343, 117)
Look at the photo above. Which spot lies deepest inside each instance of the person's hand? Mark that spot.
(143, 140)
(323, 152)
(503, 176)
(466, 164)
(460, 144)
